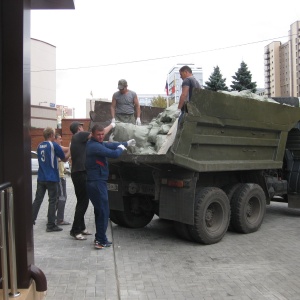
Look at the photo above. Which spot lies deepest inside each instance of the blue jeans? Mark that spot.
(42, 186)
(97, 192)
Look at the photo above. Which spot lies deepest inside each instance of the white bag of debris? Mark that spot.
(149, 138)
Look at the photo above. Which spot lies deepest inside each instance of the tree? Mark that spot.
(243, 79)
(160, 102)
(216, 81)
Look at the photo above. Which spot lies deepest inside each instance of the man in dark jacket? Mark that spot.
(78, 175)
(96, 166)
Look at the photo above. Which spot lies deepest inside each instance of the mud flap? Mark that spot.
(177, 204)
(115, 195)
(294, 201)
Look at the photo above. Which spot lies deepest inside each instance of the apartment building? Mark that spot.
(282, 65)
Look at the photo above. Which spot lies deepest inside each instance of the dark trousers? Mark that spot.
(97, 191)
(42, 186)
(79, 182)
(61, 199)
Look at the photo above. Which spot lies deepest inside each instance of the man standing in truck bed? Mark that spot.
(188, 84)
(123, 104)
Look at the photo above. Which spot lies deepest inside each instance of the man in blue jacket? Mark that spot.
(96, 166)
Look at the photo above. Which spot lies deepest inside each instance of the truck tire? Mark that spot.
(130, 218)
(212, 215)
(229, 190)
(182, 231)
(116, 218)
(248, 208)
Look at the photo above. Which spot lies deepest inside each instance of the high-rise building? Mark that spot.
(282, 65)
(173, 85)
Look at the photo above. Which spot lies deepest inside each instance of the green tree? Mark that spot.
(243, 79)
(216, 82)
(160, 102)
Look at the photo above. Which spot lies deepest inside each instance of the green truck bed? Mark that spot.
(225, 133)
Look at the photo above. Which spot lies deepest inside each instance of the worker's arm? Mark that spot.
(109, 127)
(137, 106)
(183, 96)
(67, 154)
(65, 149)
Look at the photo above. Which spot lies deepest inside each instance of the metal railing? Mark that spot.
(7, 205)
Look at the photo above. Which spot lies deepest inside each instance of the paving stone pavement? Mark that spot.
(153, 263)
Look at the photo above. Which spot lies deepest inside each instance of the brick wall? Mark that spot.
(37, 133)
(101, 115)
(66, 134)
(36, 137)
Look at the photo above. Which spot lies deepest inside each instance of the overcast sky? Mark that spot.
(101, 42)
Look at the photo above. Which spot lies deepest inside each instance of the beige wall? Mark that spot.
(42, 117)
(275, 69)
(43, 84)
(272, 70)
(285, 72)
(294, 34)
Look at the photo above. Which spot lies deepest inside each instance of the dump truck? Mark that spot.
(227, 159)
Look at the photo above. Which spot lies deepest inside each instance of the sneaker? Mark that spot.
(54, 228)
(63, 223)
(97, 245)
(85, 232)
(106, 245)
(78, 236)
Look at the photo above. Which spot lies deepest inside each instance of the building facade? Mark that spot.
(43, 84)
(282, 65)
(173, 85)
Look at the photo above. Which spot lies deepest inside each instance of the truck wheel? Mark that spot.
(212, 215)
(182, 231)
(132, 216)
(116, 218)
(229, 190)
(248, 207)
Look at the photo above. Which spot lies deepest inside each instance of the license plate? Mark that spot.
(112, 187)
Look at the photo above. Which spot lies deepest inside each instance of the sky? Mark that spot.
(101, 42)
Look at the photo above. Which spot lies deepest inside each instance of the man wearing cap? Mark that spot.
(123, 104)
(78, 175)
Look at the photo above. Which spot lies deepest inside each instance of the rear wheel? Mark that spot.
(116, 217)
(229, 190)
(212, 215)
(248, 207)
(136, 214)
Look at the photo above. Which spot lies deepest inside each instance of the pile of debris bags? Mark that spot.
(154, 138)
(149, 138)
(249, 94)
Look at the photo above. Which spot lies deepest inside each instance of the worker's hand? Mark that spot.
(131, 142)
(177, 113)
(113, 120)
(122, 147)
(138, 122)
(113, 124)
